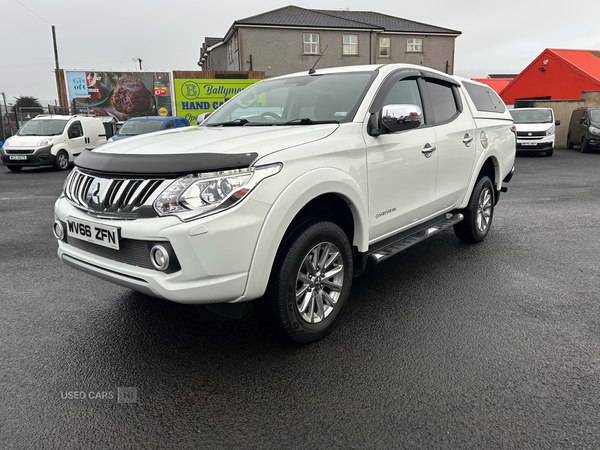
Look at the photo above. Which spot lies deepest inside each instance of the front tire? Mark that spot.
(569, 143)
(61, 162)
(310, 282)
(584, 146)
(478, 213)
(14, 168)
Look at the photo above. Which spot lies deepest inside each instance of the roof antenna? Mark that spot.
(312, 69)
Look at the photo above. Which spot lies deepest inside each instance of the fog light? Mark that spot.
(160, 257)
(58, 230)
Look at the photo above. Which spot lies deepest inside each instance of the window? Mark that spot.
(230, 51)
(169, 125)
(235, 43)
(75, 130)
(311, 44)
(444, 102)
(384, 47)
(414, 45)
(350, 46)
(404, 92)
(485, 99)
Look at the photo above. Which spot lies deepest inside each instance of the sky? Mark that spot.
(497, 36)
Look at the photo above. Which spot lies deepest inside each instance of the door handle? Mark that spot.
(428, 150)
(467, 139)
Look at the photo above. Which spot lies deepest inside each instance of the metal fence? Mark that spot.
(14, 118)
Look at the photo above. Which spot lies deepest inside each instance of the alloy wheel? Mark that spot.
(484, 210)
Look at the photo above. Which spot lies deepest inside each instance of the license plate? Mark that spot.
(528, 143)
(95, 233)
(21, 157)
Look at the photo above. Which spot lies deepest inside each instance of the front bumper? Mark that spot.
(39, 156)
(535, 145)
(213, 253)
(592, 140)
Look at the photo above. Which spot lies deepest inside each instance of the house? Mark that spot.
(561, 79)
(556, 74)
(292, 39)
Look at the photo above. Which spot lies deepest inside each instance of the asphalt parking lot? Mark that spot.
(445, 346)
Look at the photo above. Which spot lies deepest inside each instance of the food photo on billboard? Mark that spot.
(120, 94)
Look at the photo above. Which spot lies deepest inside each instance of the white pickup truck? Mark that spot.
(289, 190)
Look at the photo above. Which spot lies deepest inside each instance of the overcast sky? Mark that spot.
(498, 36)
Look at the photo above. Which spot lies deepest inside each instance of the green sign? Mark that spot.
(199, 96)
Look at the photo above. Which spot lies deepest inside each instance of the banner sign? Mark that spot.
(199, 96)
(121, 94)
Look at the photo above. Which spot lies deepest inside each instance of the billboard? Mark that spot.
(197, 96)
(121, 94)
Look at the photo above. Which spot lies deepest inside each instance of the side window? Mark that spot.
(384, 47)
(75, 130)
(169, 125)
(404, 92)
(484, 98)
(443, 100)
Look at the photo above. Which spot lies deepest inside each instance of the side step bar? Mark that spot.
(384, 253)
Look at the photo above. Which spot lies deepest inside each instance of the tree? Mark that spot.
(30, 105)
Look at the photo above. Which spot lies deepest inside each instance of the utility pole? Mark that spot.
(57, 70)
(2, 118)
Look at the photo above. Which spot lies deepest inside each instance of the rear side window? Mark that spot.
(484, 98)
(443, 100)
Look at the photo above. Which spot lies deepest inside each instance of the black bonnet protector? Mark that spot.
(167, 165)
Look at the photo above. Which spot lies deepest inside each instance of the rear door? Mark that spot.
(455, 135)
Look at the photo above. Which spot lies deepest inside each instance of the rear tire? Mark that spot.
(478, 213)
(310, 282)
(14, 168)
(61, 162)
(569, 143)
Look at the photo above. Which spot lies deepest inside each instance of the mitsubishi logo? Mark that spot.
(92, 195)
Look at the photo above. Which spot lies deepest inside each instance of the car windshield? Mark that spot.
(300, 100)
(135, 127)
(41, 127)
(531, 115)
(595, 115)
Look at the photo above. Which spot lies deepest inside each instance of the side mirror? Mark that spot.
(582, 120)
(401, 117)
(202, 117)
(557, 122)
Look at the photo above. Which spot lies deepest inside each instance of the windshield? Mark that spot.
(41, 127)
(135, 127)
(531, 115)
(301, 100)
(595, 115)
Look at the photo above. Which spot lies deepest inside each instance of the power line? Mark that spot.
(17, 1)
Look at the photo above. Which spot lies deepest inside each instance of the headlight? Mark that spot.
(45, 142)
(550, 130)
(110, 140)
(198, 194)
(594, 130)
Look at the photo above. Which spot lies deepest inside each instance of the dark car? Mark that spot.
(150, 124)
(584, 129)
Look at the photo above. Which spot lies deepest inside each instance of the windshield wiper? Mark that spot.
(234, 123)
(306, 121)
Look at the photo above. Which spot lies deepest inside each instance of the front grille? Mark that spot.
(531, 134)
(113, 197)
(19, 152)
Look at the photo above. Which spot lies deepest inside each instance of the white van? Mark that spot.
(52, 141)
(536, 129)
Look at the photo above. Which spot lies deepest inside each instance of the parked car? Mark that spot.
(584, 129)
(536, 129)
(52, 141)
(142, 125)
(284, 209)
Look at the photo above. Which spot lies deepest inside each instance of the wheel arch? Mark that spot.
(332, 195)
(490, 167)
